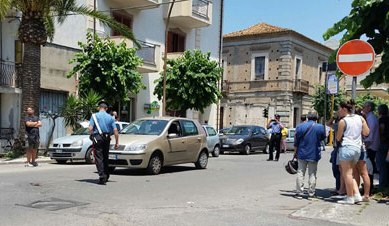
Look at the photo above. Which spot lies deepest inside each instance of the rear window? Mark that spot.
(211, 131)
(190, 128)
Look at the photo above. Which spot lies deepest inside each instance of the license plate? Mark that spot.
(226, 145)
(58, 151)
(113, 157)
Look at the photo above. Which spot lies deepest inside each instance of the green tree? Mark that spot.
(77, 109)
(318, 101)
(107, 68)
(36, 26)
(368, 18)
(361, 99)
(191, 82)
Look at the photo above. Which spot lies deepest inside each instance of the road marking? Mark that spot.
(355, 57)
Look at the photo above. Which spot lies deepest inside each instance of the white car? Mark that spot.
(76, 146)
(213, 140)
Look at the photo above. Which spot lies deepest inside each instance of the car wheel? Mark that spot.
(155, 165)
(216, 151)
(247, 149)
(61, 161)
(111, 169)
(266, 150)
(90, 156)
(202, 161)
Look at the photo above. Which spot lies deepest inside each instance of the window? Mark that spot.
(298, 67)
(121, 17)
(259, 66)
(175, 42)
(189, 128)
(211, 131)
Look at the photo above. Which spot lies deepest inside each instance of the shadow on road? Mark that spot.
(322, 194)
(142, 172)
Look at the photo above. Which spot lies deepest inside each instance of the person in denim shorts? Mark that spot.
(350, 130)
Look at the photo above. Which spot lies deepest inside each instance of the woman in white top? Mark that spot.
(350, 130)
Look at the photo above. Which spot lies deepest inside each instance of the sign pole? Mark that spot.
(354, 91)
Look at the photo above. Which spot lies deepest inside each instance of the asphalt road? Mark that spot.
(234, 190)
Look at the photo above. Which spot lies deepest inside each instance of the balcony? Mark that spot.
(150, 53)
(301, 86)
(191, 14)
(133, 4)
(7, 74)
(265, 86)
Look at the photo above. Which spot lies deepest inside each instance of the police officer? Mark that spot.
(101, 127)
(275, 140)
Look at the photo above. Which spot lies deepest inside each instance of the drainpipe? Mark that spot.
(220, 60)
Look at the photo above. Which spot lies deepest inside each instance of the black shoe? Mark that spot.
(102, 180)
(269, 160)
(276, 160)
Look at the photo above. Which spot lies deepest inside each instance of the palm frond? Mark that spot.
(105, 19)
(63, 8)
(5, 6)
(50, 27)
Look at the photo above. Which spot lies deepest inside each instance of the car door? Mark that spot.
(263, 137)
(177, 145)
(255, 138)
(192, 139)
(212, 137)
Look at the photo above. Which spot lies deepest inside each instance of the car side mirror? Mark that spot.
(172, 135)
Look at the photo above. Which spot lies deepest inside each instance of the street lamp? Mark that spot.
(165, 58)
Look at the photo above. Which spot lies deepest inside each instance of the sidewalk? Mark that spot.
(22, 160)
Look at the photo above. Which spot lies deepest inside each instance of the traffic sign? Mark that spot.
(332, 84)
(355, 57)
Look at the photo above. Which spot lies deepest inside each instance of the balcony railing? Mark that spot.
(147, 52)
(265, 86)
(200, 8)
(301, 86)
(7, 74)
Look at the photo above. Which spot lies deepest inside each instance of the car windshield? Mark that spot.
(145, 127)
(238, 130)
(81, 131)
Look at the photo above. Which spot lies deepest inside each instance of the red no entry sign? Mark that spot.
(355, 57)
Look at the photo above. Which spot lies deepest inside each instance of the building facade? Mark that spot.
(268, 67)
(194, 24)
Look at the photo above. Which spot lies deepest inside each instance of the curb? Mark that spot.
(22, 161)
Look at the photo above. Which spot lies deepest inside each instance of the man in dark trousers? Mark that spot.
(101, 127)
(275, 140)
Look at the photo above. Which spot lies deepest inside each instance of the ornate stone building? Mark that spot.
(269, 67)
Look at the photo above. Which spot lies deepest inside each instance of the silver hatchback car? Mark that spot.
(213, 140)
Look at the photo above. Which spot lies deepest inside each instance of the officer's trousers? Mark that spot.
(101, 158)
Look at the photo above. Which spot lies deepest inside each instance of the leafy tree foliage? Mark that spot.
(368, 18)
(78, 109)
(108, 69)
(318, 101)
(361, 99)
(191, 82)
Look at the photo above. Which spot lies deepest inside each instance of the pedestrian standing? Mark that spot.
(308, 137)
(275, 140)
(372, 142)
(101, 127)
(350, 130)
(383, 166)
(32, 124)
(284, 134)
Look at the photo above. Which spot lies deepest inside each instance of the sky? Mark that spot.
(308, 17)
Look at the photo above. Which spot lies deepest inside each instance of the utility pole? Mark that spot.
(165, 58)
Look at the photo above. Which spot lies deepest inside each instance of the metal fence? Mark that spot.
(200, 8)
(7, 73)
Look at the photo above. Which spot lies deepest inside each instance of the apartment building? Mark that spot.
(194, 24)
(269, 67)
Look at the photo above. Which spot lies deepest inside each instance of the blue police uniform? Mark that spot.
(101, 143)
(275, 140)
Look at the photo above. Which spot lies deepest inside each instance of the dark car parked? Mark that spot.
(245, 139)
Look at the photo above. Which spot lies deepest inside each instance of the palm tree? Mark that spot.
(36, 26)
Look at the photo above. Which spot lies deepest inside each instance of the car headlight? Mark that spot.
(239, 141)
(76, 143)
(136, 147)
